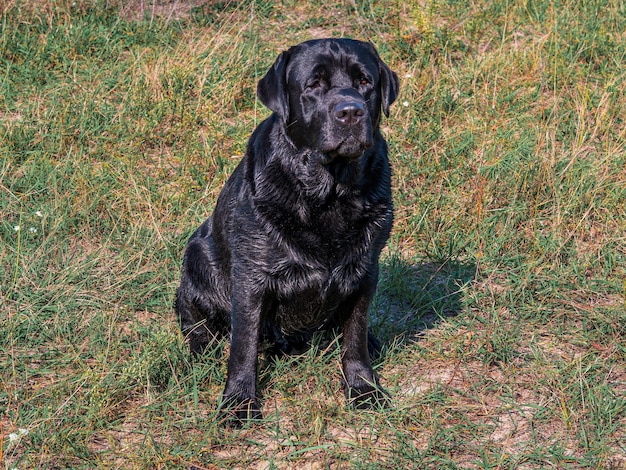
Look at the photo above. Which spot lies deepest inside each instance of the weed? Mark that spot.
(501, 299)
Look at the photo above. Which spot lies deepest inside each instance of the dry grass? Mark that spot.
(501, 303)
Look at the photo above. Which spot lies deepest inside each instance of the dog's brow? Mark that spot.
(320, 70)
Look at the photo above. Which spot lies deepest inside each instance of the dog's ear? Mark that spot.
(272, 88)
(389, 83)
(389, 86)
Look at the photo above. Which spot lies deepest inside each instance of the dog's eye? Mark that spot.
(363, 81)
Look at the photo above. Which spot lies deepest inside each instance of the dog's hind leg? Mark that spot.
(201, 306)
(193, 324)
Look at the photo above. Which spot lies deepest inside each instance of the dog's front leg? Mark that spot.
(239, 397)
(360, 381)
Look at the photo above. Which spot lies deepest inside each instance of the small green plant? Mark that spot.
(501, 301)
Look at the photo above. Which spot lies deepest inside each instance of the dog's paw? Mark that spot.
(237, 409)
(367, 397)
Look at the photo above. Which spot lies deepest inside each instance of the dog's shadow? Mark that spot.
(413, 298)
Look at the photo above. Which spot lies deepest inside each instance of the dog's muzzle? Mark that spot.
(351, 129)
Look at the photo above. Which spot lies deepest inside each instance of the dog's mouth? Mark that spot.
(351, 148)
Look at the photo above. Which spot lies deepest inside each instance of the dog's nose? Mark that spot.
(349, 112)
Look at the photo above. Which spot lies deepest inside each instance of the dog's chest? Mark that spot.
(332, 230)
(311, 283)
(307, 311)
(321, 254)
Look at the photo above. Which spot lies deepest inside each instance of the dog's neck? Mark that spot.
(323, 180)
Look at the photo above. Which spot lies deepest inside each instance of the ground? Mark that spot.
(501, 303)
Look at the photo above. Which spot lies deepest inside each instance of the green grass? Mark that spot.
(502, 300)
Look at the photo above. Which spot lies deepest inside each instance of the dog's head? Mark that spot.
(329, 94)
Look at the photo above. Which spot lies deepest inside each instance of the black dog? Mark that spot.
(293, 244)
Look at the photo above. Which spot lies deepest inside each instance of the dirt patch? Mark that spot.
(137, 10)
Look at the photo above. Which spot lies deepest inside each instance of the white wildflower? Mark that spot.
(16, 228)
(32, 230)
(405, 104)
(39, 214)
(16, 436)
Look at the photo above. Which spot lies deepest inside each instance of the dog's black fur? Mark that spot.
(293, 244)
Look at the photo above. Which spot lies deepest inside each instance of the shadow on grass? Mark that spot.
(413, 298)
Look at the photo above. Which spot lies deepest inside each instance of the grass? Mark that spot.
(502, 300)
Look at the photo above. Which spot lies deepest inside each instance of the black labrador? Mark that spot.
(293, 244)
